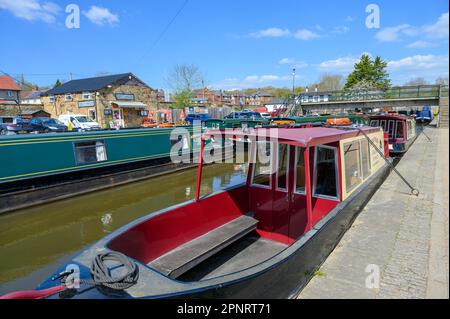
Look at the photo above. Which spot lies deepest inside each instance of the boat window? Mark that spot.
(391, 129)
(299, 175)
(374, 123)
(262, 168)
(90, 152)
(365, 158)
(353, 176)
(325, 172)
(282, 166)
(399, 131)
(383, 125)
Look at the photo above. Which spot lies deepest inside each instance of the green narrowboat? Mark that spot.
(24, 157)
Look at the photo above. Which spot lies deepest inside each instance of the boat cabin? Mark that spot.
(401, 130)
(294, 181)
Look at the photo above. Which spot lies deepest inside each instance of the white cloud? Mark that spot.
(438, 30)
(421, 45)
(101, 16)
(251, 81)
(293, 62)
(31, 10)
(339, 65)
(305, 35)
(341, 29)
(391, 34)
(428, 67)
(271, 33)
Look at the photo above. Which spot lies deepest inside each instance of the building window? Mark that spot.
(262, 168)
(282, 167)
(68, 97)
(325, 172)
(51, 98)
(299, 174)
(92, 114)
(86, 96)
(10, 93)
(90, 152)
(353, 176)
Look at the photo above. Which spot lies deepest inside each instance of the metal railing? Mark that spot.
(399, 92)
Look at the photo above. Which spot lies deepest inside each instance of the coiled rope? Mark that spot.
(101, 274)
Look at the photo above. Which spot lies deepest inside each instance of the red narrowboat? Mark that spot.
(400, 128)
(260, 239)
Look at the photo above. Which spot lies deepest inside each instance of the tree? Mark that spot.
(329, 82)
(417, 81)
(57, 84)
(370, 72)
(182, 99)
(442, 80)
(185, 77)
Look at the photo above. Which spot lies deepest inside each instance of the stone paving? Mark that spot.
(401, 237)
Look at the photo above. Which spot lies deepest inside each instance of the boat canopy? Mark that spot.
(303, 137)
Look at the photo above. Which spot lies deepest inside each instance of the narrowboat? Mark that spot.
(263, 238)
(401, 130)
(46, 167)
(426, 115)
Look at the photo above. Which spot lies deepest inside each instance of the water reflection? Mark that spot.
(33, 239)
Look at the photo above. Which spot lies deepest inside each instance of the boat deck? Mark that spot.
(245, 253)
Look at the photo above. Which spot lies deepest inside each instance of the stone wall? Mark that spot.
(101, 101)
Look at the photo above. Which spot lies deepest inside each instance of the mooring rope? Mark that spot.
(414, 191)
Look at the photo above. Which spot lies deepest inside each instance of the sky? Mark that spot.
(236, 44)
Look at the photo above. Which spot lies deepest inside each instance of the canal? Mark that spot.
(34, 241)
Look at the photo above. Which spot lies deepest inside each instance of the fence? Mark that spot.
(401, 92)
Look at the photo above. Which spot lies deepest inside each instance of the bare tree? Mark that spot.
(329, 82)
(185, 77)
(442, 80)
(417, 81)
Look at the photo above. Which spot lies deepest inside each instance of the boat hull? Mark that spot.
(293, 269)
(287, 278)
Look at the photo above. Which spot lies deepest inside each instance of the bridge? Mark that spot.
(394, 98)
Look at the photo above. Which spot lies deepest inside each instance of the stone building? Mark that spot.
(120, 100)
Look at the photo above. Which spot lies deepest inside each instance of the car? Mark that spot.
(244, 115)
(190, 118)
(10, 125)
(47, 125)
(79, 122)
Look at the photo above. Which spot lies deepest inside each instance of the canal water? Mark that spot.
(34, 241)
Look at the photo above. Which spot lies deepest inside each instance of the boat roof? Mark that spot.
(391, 116)
(303, 137)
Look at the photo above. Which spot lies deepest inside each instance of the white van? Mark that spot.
(80, 122)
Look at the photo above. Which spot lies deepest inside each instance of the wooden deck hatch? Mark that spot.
(185, 257)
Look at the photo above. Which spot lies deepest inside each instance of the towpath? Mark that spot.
(398, 247)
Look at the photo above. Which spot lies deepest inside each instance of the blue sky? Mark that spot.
(236, 44)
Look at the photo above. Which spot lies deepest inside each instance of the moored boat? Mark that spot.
(401, 130)
(260, 239)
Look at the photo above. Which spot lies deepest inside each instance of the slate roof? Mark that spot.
(89, 84)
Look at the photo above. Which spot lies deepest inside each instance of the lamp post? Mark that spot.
(293, 81)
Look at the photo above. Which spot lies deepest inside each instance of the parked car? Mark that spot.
(244, 115)
(190, 118)
(14, 125)
(47, 125)
(79, 122)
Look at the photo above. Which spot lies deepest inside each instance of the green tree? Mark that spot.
(57, 84)
(182, 99)
(369, 72)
